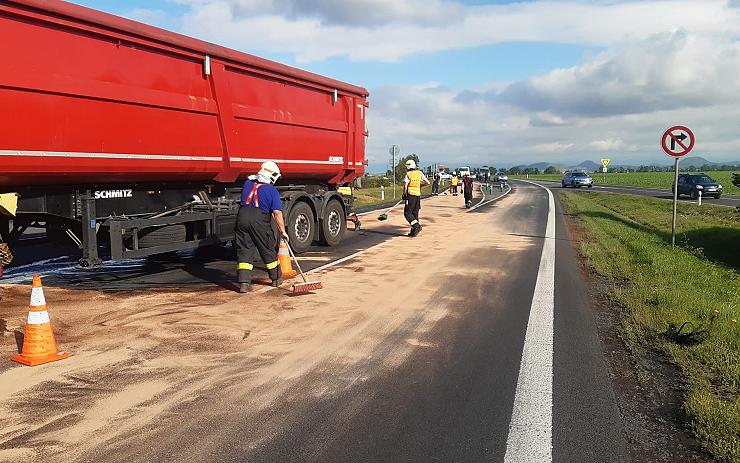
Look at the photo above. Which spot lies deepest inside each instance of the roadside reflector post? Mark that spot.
(699, 194)
(382, 193)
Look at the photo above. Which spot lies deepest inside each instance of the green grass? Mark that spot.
(659, 180)
(627, 241)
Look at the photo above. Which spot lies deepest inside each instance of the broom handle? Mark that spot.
(296, 262)
(393, 207)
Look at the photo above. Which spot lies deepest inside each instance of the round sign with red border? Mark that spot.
(678, 141)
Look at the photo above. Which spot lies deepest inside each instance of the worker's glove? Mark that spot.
(285, 236)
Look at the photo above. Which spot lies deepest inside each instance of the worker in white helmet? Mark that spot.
(260, 204)
(413, 182)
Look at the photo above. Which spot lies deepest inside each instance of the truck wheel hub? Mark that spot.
(302, 227)
(334, 225)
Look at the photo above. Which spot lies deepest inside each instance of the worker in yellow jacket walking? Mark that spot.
(414, 180)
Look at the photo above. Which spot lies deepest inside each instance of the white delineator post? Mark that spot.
(382, 193)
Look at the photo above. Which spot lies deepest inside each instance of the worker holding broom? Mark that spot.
(414, 180)
(260, 203)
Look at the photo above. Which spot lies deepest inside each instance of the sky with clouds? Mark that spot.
(500, 82)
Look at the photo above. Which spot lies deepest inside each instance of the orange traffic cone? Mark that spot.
(39, 345)
(286, 266)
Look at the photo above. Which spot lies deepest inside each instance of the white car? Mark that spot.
(500, 177)
(444, 176)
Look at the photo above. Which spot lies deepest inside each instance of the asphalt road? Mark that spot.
(513, 373)
(724, 200)
(455, 403)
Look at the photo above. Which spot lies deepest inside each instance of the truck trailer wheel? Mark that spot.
(334, 224)
(301, 227)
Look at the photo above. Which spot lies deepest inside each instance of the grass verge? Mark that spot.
(659, 180)
(627, 240)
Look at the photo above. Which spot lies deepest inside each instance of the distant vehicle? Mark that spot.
(691, 184)
(464, 171)
(500, 177)
(444, 176)
(577, 180)
(484, 174)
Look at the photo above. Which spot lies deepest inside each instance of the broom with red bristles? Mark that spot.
(306, 286)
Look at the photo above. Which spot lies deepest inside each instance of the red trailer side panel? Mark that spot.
(88, 97)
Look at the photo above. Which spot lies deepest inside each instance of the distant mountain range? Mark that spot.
(695, 161)
(590, 166)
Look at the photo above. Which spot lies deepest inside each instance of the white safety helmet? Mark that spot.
(411, 164)
(269, 172)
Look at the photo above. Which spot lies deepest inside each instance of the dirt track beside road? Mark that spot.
(169, 362)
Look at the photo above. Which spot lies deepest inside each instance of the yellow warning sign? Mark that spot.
(605, 163)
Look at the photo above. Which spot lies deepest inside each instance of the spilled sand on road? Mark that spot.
(169, 361)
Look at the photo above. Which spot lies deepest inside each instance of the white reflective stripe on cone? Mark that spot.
(38, 318)
(37, 297)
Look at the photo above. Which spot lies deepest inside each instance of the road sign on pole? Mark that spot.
(604, 167)
(677, 141)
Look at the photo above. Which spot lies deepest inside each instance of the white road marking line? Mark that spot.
(530, 430)
(490, 200)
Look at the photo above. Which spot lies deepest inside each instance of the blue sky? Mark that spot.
(499, 82)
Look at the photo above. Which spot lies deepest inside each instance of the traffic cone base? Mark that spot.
(39, 345)
(33, 361)
(286, 266)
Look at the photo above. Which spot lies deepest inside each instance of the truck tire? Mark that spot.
(301, 227)
(334, 224)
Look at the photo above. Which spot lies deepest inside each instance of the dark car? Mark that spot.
(691, 184)
(577, 180)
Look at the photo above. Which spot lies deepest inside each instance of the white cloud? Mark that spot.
(610, 144)
(663, 71)
(388, 30)
(146, 15)
(617, 102)
(556, 147)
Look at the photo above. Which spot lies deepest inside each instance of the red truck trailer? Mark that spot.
(119, 136)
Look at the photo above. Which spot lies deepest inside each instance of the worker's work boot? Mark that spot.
(244, 287)
(415, 230)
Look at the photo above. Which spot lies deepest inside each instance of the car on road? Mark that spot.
(692, 184)
(577, 180)
(444, 176)
(500, 177)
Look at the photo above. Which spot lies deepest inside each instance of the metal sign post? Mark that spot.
(604, 166)
(675, 144)
(675, 206)
(394, 152)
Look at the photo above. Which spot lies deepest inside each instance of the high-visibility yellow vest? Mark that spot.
(454, 180)
(415, 182)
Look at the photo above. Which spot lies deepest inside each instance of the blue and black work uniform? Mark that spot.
(254, 230)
